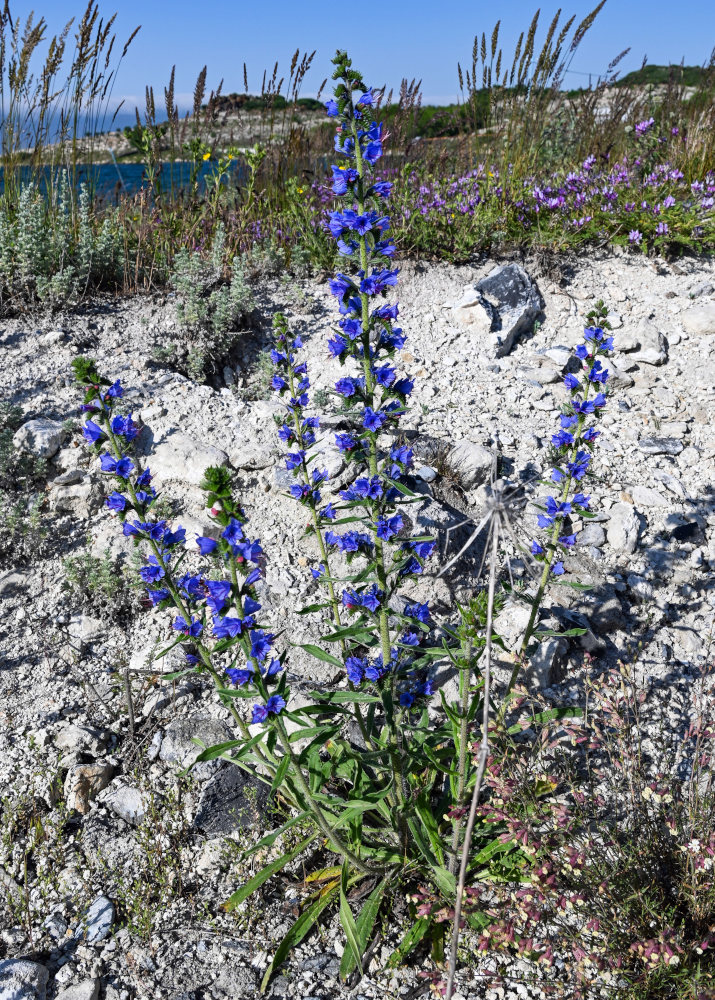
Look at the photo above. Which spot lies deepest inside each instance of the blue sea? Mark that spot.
(110, 181)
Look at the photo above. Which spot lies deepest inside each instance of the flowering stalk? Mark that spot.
(195, 597)
(574, 445)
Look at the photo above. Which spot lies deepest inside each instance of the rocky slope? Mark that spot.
(130, 862)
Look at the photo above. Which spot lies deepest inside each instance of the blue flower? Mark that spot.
(368, 599)
(536, 549)
(582, 501)
(294, 460)
(273, 706)
(278, 383)
(557, 569)
(373, 420)
(125, 427)
(331, 108)
(206, 545)
(261, 643)
(407, 699)
(157, 596)
(562, 440)
(92, 432)
(337, 345)
(233, 532)
(422, 549)
(229, 628)
(572, 383)
(345, 442)
(250, 606)
(568, 540)
(144, 479)
(420, 612)
(329, 512)
(172, 538)
(387, 527)
(193, 628)
(219, 592)
(239, 677)
(115, 501)
(320, 571)
(580, 465)
(346, 386)
(121, 467)
(355, 669)
(363, 489)
(152, 571)
(115, 390)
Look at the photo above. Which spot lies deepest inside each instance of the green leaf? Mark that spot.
(265, 873)
(319, 653)
(221, 749)
(343, 697)
(547, 632)
(409, 942)
(348, 921)
(311, 608)
(297, 932)
(364, 925)
(351, 631)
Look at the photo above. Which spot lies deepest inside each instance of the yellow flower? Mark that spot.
(300, 190)
(207, 156)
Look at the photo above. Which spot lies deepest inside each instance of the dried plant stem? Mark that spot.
(481, 765)
(464, 675)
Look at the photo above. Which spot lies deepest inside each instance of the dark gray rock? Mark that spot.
(231, 800)
(502, 306)
(660, 446)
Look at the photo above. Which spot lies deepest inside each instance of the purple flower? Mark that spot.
(206, 545)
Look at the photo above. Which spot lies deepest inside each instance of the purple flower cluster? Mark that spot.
(573, 443)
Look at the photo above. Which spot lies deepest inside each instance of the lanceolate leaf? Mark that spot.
(409, 942)
(275, 866)
(319, 654)
(364, 925)
(305, 922)
(348, 921)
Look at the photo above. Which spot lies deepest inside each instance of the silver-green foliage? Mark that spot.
(52, 253)
(209, 309)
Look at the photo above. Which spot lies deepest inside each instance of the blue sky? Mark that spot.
(421, 38)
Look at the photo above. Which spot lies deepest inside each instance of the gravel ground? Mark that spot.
(130, 862)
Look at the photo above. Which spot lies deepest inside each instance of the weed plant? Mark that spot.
(22, 480)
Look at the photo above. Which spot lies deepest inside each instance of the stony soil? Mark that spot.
(153, 855)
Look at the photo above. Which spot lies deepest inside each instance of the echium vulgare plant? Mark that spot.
(375, 771)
